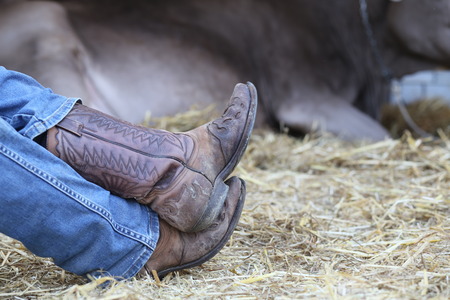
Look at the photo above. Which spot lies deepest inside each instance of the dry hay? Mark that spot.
(324, 219)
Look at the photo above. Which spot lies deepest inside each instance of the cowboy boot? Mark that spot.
(180, 250)
(179, 175)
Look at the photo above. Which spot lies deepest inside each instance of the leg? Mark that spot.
(180, 175)
(85, 229)
(328, 113)
(79, 219)
(56, 213)
(28, 107)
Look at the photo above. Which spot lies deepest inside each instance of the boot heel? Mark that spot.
(214, 207)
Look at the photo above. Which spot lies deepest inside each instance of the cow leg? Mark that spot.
(331, 115)
(37, 39)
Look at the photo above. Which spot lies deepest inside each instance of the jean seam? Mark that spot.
(138, 265)
(77, 197)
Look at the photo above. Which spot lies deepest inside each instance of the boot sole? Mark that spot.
(233, 223)
(217, 199)
(245, 137)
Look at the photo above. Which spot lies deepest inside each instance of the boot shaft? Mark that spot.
(125, 159)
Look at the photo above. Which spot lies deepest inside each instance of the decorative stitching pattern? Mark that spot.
(136, 134)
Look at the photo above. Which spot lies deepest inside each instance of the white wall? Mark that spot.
(425, 85)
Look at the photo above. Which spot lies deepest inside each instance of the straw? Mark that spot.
(323, 219)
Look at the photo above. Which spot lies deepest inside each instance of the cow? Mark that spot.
(318, 65)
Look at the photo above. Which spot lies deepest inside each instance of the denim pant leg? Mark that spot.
(27, 106)
(49, 207)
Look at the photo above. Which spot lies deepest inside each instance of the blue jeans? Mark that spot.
(51, 209)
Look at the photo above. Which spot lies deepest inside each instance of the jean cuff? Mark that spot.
(41, 126)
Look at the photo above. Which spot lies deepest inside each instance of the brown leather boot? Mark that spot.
(180, 175)
(179, 250)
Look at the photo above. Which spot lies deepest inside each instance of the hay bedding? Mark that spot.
(324, 219)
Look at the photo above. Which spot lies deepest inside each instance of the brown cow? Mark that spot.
(317, 64)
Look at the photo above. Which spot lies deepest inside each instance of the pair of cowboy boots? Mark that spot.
(181, 176)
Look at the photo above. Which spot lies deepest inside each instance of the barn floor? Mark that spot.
(324, 219)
